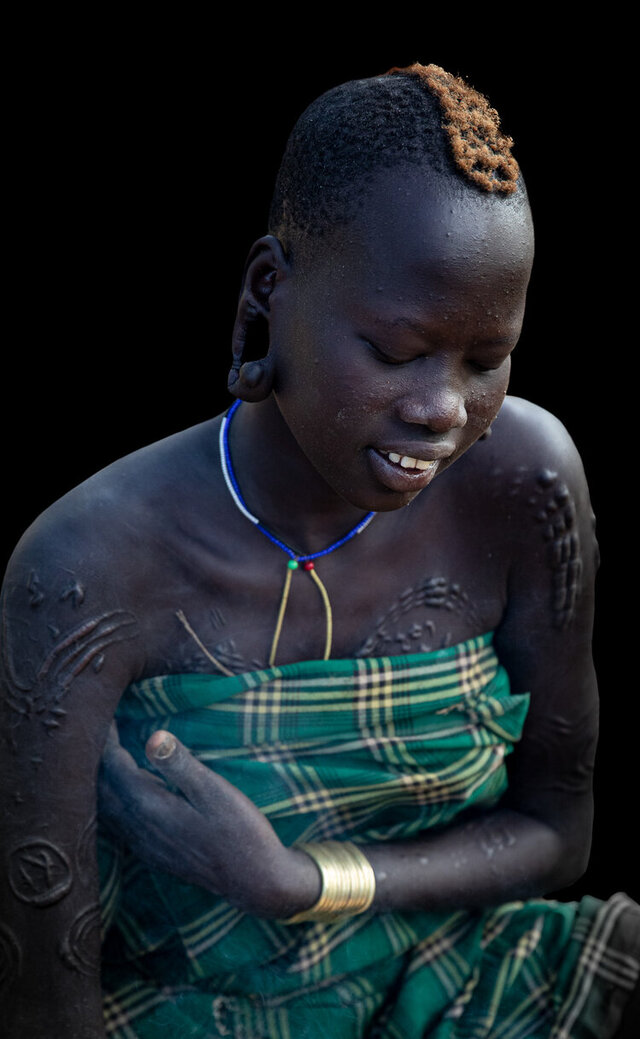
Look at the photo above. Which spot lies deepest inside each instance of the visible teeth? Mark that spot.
(407, 462)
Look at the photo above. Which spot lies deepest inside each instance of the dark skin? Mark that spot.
(396, 339)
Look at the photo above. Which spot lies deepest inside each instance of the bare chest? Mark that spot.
(383, 596)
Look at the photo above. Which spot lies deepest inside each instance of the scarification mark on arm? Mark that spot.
(555, 510)
(85, 850)
(84, 646)
(10, 958)
(39, 872)
(80, 949)
(34, 588)
(75, 592)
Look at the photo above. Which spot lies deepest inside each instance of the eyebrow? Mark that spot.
(414, 326)
(401, 322)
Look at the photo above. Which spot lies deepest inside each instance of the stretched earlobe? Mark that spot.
(251, 377)
(251, 381)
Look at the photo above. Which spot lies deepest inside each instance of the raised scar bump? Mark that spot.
(78, 640)
(10, 957)
(86, 843)
(76, 592)
(432, 592)
(558, 514)
(39, 872)
(34, 588)
(79, 950)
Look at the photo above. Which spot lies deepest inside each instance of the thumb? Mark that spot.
(160, 746)
(182, 770)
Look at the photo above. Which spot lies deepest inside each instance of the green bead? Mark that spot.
(293, 564)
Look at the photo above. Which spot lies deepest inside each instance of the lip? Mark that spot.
(430, 452)
(401, 480)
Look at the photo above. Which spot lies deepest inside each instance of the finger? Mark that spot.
(200, 785)
(120, 780)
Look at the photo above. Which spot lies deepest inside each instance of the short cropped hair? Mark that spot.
(419, 115)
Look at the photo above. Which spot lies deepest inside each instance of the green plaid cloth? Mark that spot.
(367, 750)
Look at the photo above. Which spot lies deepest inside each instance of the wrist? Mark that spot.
(300, 884)
(348, 881)
(286, 883)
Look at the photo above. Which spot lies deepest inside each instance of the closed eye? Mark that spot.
(486, 368)
(383, 356)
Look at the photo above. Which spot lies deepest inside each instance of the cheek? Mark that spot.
(485, 401)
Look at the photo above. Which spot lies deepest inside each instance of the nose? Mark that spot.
(435, 401)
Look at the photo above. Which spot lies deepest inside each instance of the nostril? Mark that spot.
(439, 413)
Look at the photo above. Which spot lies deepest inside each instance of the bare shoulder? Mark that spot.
(524, 489)
(528, 435)
(66, 629)
(540, 504)
(531, 465)
(73, 596)
(119, 506)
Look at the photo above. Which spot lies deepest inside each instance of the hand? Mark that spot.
(213, 836)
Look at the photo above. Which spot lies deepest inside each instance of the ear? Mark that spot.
(252, 379)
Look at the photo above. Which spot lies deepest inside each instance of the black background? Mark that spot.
(142, 158)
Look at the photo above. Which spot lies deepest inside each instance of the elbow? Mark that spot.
(570, 861)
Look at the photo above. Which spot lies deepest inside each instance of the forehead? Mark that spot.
(415, 227)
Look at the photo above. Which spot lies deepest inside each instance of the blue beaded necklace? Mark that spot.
(295, 559)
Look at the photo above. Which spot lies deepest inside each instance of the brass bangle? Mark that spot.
(348, 881)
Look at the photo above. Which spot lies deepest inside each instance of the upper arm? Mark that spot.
(544, 639)
(69, 648)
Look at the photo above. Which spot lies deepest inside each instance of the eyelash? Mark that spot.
(381, 356)
(384, 358)
(483, 369)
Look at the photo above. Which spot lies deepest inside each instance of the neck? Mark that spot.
(279, 485)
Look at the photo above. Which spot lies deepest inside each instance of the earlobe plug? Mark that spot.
(251, 381)
(252, 373)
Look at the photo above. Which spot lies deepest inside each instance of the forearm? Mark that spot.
(490, 859)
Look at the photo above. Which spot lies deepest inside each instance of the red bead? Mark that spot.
(309, 565)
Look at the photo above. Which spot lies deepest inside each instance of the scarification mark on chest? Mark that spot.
(391, 636)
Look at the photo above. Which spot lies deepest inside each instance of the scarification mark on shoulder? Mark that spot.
(390, 637)
(509, 484)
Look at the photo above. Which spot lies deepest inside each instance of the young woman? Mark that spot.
(360, 598)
